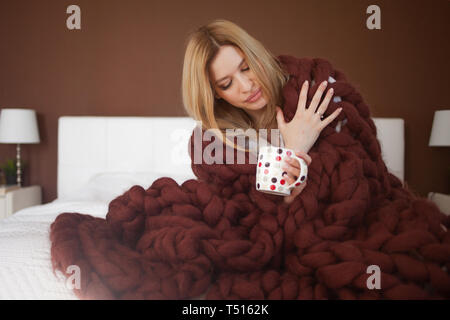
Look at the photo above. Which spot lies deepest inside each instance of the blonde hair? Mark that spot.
(198, 94)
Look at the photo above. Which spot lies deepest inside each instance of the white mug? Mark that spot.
(269, 172)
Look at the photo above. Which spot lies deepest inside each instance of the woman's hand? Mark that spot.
(292, 168)
(303, 130)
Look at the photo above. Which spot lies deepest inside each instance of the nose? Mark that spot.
(246, 84)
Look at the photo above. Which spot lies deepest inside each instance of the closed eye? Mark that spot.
(229, 84)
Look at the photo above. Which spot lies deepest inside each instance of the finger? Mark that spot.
(301, 105)
(298, 189)
(291, 170)
(280, 117)
(293, 162)
(294, 193)
(288, 177)
(330, 118)
(324, 105)
(317, 96)
(304, 156)
(290, 198)
(289, 180)
(301, 187)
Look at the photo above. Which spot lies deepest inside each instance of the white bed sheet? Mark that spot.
(25, 265)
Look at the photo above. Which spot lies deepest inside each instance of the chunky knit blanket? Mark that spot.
(353, 233)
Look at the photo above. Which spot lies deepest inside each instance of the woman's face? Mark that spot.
(233, 81)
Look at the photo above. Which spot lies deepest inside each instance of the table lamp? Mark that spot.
(18, 126)
(440, 132)
(440, 137)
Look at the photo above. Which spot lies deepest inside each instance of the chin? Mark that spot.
(261, 103)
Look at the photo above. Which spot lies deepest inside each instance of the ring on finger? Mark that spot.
(287, 172)
(286, 176)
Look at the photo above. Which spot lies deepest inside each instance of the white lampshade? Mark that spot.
(440, 132)
(18, 126)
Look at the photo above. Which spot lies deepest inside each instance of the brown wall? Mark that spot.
(127, 59)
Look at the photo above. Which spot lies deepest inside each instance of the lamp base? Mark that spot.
(19, 169)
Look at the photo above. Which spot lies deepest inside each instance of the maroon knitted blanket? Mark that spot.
(353, 233)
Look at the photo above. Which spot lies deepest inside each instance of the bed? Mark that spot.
(99, 158)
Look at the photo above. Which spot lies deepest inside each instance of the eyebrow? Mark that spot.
(240, 64)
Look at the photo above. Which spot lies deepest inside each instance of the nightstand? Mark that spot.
(18, 199)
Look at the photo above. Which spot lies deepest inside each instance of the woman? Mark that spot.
(231, 81)
(230, 241)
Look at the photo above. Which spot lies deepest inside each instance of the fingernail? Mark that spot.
(305, 83)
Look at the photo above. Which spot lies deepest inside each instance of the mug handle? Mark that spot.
(303, 171)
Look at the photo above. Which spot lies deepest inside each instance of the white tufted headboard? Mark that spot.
(391, 134)
(91, 145)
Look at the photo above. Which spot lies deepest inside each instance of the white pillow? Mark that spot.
(106, 186)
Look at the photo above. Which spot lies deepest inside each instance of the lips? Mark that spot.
(255, 96)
